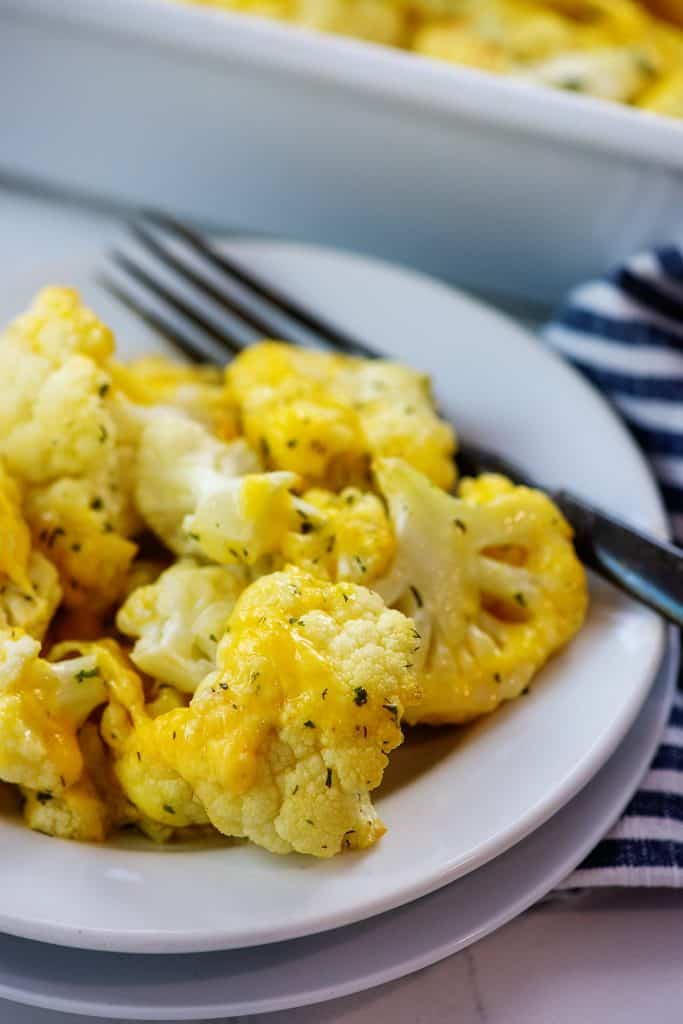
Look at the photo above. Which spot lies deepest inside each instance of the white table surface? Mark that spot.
(613, 957)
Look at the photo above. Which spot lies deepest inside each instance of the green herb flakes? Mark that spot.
(84, 674)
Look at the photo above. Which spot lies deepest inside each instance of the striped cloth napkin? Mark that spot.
(625, 333)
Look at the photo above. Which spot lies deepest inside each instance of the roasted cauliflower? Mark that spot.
(491, 580)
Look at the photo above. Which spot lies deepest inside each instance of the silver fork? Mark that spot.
(210, 305)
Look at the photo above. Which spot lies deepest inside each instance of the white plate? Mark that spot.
(458, 800)
(305, 971)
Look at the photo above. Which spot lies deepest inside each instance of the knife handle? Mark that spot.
(649, 570)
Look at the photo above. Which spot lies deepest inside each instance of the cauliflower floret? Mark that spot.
(202, 496)
(459, 43)
(285, 741)
(491, 580)
(128, 775)
(121, 812)
(666, 97)
(16, 538)
(179, 619)
(198, 391)
(72, 527)
(324, 416)
(58, 325)
(495, 36)
(339, 537)
(29, 587)
(608, 73)
(63, 435)
(31, 605)
(42, 706)
(290, 415)
(160, 796)
(396, 410)
(39, 343)
(59, 416)
(155, 787)
(137, 782)
(78, 813)
(69, 430)
(99, 769)
(379, 21)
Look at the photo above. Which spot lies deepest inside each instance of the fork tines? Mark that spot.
(206, 301)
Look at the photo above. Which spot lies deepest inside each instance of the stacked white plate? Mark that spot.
(486, 820)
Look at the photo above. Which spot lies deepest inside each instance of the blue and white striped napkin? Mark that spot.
(625, 333)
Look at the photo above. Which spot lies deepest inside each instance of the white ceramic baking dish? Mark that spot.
(247, 123)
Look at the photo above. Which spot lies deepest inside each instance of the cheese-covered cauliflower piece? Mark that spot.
(73, 529)
(396, 410)
(29, 587)
(198, 391)
(16, 538)
(455, 41)
(117, 810)
(344, 536)
(103, 677)
(55, 413)
(379, 21)
(202, 496)
(290, 415)
(491, 580)
(325, 416)
(160, 794)
(31, 604)
(157, 798)
(69, 430)
(666, 97)
(42, 706)
(77, 813)
(58, 325)
(63, 437)
(179, 619)
(285, 741)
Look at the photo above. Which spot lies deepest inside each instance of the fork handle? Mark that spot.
(647, 569)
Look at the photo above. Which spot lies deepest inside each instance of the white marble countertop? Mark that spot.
(609, 956)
